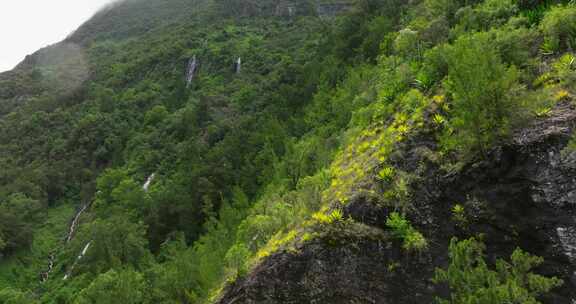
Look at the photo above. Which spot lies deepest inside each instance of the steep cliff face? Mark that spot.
(521, 195)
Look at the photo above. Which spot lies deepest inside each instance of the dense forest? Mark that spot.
(167, 149)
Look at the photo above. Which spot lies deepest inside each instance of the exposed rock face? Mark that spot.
(523, 195)
(291, 8)
(363, 266)
(332, 9)
(567, 237)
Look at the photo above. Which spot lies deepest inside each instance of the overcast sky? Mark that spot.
(28, 25)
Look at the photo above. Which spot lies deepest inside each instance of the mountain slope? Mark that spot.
(227, 151)
(521, 195)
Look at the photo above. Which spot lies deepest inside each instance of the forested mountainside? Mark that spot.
(294, 151)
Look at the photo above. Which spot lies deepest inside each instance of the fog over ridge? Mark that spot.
(29, 25)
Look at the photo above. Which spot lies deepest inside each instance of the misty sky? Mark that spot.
(28, 25)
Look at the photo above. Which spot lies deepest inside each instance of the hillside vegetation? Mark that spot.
(248, 160)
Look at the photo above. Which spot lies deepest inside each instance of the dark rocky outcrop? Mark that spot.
(522, 195)
(354, 264)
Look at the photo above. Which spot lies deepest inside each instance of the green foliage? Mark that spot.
(483, 93)
(115, 242)
(386, 174)
(439, 119)
(472, 281)
(459, 215)
(407, 44)
(156, 115)
(564, 70)
(534, 10)
(487, 14)
(17, 214)
(442, 8)
(559, 28)
(237, 258)
(516, 45)
(326, 219)
(402, 229)
(434, 67)
(242, 161)
(122, 286)
(13, 296)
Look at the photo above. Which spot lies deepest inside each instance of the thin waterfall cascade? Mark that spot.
(191, 70)
(238, 65)
(46, 274)
(69, 236)
(71, 232)
(80, 256)
(285, 9)
(75, 221)
(148, 182)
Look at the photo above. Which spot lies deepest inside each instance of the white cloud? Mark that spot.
(28, 25)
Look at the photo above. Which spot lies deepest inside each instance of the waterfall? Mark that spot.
(238, 65)
(71, 231)
(290, 11)
(80, 256)
(191, 70)
(149, 181)
(75, 221)
(44, 275)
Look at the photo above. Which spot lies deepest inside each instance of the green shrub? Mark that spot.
(434, 67)
(559, 28)
(13, 296)
(562, 72)
(442, 8)
(156, 115)
(122, 286)
(489, 13)
(335, 216)
(459, 215)
(472, 281)
(564, 69)
(517, 46)
(482, 90)
(402, 229)
(17, 213)
(407, 44)
(534, 13)
(386, 174)
(236, 258)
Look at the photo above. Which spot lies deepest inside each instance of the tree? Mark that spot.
(14, 296)
(559, 28)
(116, 242)
(471, 281)
(236, 259)
(482, 89)
(115, 286)
(17, 214)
